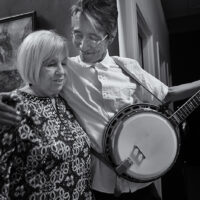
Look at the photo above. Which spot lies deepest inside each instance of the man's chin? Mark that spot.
(89, 58)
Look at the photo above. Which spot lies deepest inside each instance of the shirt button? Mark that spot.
(104, 94)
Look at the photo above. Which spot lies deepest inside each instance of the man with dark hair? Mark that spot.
(97, 88)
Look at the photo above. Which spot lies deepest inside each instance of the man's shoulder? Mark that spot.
(73, 58)
(129, 62)
(73, 62)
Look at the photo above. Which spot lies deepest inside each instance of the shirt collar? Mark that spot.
(108, 61)
(84, 64)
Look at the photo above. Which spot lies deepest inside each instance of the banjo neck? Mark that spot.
(186, 109)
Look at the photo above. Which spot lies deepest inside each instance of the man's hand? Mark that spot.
(8, 113)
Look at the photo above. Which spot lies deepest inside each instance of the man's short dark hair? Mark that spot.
(104, 12)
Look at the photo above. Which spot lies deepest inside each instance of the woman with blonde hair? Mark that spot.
(47, 154)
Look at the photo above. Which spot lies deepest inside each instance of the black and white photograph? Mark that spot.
(99, 99)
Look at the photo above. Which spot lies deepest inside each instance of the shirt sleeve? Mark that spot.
(7, 149)
(151, 89)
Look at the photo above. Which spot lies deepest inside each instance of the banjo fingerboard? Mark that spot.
(186, 109)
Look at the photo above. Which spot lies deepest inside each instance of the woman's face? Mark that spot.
(92, 44)
(52, 76)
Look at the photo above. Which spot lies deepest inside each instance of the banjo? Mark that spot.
(142, 143)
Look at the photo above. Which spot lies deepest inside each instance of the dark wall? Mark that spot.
(185, 56)
(50, 14)
(182, 181)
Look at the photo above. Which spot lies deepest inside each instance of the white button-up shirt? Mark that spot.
(96, 93)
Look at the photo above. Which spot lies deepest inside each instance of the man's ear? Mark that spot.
(110, 40)
(112, 36)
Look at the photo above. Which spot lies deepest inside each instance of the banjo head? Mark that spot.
(145, 137)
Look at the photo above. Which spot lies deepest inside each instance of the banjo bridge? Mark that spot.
(136, 157)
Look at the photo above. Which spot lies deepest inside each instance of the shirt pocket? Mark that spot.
(124, 96)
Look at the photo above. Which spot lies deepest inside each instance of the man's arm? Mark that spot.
(182, 91)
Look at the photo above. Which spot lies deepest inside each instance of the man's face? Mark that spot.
(92, 44)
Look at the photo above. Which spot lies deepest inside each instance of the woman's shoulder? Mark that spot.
(23, 101)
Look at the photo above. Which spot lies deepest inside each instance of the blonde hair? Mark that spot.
(36, 48)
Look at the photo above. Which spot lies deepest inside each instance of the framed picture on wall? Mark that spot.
(13, 30)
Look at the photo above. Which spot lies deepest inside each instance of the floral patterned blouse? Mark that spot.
(47, 156)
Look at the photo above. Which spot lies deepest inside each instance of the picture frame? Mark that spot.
(13, 30)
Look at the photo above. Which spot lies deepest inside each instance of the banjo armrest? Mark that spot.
(120, 169)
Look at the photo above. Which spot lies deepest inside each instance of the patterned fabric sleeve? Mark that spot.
(7, 148)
